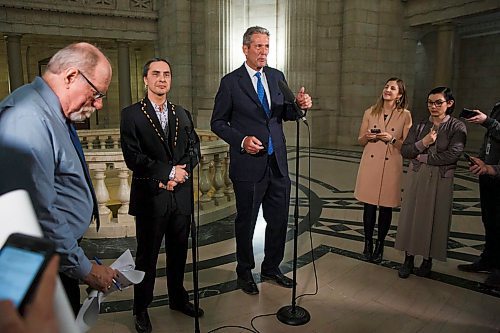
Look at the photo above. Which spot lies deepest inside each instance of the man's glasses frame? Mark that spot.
(98, 94)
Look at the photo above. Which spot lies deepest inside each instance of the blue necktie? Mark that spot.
(78, 146)
(263, 100)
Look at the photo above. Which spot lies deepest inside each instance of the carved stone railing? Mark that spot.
(111, 179)
(100, 139)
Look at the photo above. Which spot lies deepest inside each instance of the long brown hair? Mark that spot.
(401, 103)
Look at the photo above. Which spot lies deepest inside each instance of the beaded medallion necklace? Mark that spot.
(143, 108)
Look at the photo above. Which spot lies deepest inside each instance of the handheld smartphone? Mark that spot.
(467, 113)
(375, 130)
(469, 159)
(23, 259)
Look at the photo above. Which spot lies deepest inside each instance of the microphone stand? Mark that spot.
(293, 314)
(194, 239)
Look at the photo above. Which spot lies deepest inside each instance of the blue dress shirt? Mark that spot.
(32, 123)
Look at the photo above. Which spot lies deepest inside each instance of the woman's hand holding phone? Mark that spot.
(370, 136)
(384, 136)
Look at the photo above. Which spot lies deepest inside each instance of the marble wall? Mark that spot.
(341, 51)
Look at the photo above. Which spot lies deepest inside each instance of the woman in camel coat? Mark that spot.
(382, 132)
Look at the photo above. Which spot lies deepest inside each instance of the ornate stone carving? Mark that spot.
(141, 4)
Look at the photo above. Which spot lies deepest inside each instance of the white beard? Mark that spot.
(82, 114)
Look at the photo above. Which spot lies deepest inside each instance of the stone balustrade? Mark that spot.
(111, 178)
(100, 139)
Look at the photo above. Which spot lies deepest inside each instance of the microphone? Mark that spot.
(290, 98)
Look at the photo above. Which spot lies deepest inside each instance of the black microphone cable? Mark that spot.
(313, 258)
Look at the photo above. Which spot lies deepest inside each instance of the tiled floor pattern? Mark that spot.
(353, 295)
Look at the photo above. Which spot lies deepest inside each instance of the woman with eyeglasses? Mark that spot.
(433, 146)
(378, 184)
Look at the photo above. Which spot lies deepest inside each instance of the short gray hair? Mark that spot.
(83, 56)
(247, 36)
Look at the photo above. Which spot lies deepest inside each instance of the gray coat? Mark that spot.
(425, 217)
(444, 153)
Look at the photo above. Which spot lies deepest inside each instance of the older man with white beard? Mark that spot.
(40, 152)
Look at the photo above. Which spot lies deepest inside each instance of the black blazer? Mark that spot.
(239, 113)
(150, 153)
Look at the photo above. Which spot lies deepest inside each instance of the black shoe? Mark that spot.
(188, 309)
(142, 322)
(493, 280)
(368, 250)
(279, 279)
(425, 268)
(407, 267)
(378, 253)
(248, 286)
(478, 267)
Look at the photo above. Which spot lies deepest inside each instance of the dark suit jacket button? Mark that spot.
(386, 158)
(371, 155)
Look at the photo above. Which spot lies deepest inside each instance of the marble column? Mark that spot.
(13, 42)
(216, 44)
(174, 44)
(124, 89)
(300, 65)
(301, 49)
(445, 44)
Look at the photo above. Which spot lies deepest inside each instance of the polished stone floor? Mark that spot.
(343, 293)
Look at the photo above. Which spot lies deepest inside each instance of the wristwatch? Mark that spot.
(393, 141)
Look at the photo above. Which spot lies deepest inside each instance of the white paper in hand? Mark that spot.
(127, 276)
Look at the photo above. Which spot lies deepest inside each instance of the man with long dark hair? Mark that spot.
(155, 138)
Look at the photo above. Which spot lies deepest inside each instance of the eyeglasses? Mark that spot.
(98, 94)
(437, 103)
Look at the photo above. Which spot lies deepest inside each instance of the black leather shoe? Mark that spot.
(142, 322)
(476, 267)
(248, 286)
(425, 268)
(407, 268)
(188, 309)
(279, 279)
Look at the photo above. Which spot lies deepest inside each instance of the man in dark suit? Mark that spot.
(248, 114)
(487, 167)
(155, 138)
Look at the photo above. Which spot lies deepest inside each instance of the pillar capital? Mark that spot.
(123, 42)
(12, 36)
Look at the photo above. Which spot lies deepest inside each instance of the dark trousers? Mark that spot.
(273, 192)
(72, 288)
(384, 221)
(149, 234)
(489, 190)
